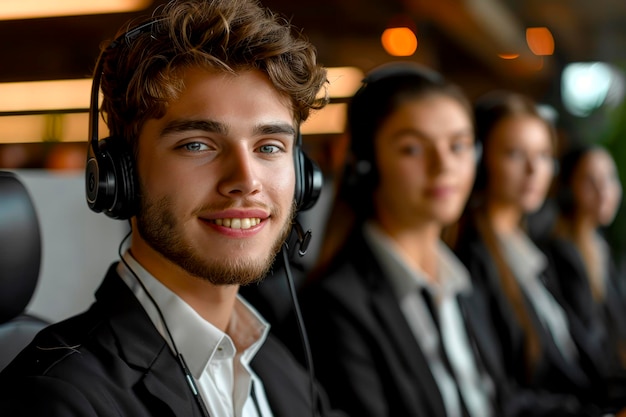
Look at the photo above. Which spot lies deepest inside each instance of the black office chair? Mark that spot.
(20, 260)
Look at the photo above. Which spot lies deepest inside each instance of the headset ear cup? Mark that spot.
(309, 181)
(556, 168)
(478, 152)
(95, 182)
(359, 185)
(114, 193)
(125, 195)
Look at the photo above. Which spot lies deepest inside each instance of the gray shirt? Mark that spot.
(475, 387)
(527, 263)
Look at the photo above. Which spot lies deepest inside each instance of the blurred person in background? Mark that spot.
(513, 181)
(395, 326)
(588, 194)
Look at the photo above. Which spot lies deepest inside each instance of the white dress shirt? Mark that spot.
(222, 372)
(527, 263)
(476, 388)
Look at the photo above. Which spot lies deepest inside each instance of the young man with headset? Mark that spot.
(203, 103)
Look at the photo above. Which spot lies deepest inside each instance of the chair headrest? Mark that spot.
(20, 247)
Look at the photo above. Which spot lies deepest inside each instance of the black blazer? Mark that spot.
(599, 328)
(366, 355)
(552, 372)
(111, 361)
(605, 320)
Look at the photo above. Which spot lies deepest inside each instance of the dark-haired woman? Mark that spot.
(513, 180)
(589, 193)
(396, 326)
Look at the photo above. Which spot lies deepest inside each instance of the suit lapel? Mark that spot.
(160, 382)
(391, 319)
(285, 382)
(482, 337)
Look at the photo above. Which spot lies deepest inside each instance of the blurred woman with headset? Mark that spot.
(396, 326)
(588, 194)
(513, 181)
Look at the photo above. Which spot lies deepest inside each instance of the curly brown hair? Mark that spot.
(141, 69)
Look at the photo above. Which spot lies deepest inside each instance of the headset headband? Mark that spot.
(128, 37)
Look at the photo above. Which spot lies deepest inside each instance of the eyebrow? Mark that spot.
(422, 135)
(270, 129)
(221, 128)
(187, 125)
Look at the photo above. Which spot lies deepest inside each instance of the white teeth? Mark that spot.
(238, 223)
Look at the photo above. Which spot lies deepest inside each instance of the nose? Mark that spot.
(601, 190)
(438, 160)
(531, 165)
(239, 177)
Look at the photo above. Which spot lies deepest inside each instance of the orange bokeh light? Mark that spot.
(540, 41)
(508, 56)
(399, 41)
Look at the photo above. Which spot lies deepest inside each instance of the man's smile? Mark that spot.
(237, 223)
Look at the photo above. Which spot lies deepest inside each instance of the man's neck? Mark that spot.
(214, 303)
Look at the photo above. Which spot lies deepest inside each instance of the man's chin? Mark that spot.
(231, 270)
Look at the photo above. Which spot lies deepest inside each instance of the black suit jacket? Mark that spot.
(552, 372)
(365, 354)
(605, 320)
(111, 361)
(598, 328)
(368, 360)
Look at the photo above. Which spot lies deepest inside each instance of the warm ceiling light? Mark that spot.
(400, 41)
(330, 119)
(66, 127)
(344, 81)
(32, 9)
(44, 95)
(74, 127)
(38, 96)
(22, 129)
(540, 41)
(508, 56)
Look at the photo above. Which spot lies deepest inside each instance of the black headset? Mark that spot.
(110, 179)
(365, 108)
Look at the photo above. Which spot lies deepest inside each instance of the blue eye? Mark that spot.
(195, 146)
(269, 149)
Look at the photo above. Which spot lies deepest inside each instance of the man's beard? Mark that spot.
(158, 226)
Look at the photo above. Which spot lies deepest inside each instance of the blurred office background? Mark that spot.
(568, 54)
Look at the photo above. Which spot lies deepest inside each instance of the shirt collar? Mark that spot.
(522, 254)
(198, 340)
(454, 277)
